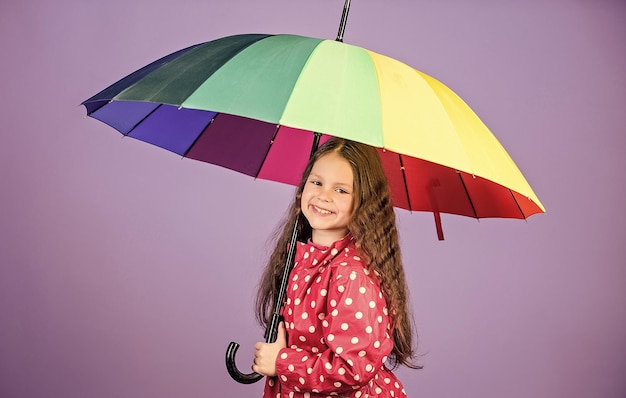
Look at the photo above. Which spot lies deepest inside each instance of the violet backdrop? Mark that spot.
(125, 271)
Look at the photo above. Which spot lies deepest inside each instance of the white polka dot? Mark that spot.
(283, 377)
(354, 340)
(313, 304)
(325, 323)
(295, 277)
(335, 312)
(302, 338)
(333, 303)
(304, 358)
(323, 292)
(372, 304)
(352, 275)
(306, 255)
(387, 380)
(379, 390)
(334, 252)
(283, 355)
(358, 315)
(344, 326)
(343, 263)
(357, 378)
(309, 370)
(322, 378)
(307, 278)
(330, 337)
(328, 366)
(369, 367)
(341, 371)
(362, 353)
(377, 344)
(301, 380)
(295, 287)
(362, 290)
(348, 301)
(305, 315)
(356, 258)
(339, 350)
(312, 249)
(297, 301)
(368, 330)
(384, 359)
(311, 329)
(337, 384)
(341, 288)
(291, 367)
(315, 261)
(319, 279)
(380, 319)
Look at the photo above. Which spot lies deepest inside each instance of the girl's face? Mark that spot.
(328, 198)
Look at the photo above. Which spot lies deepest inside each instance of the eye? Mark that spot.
(315, 182)
(341, 190)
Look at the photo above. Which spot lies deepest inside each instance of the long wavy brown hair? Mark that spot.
(373, 227)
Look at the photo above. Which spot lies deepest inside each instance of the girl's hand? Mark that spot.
(265, 353)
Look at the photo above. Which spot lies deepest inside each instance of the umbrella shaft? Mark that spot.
(344, 19)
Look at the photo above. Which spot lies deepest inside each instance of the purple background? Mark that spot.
(125, 271)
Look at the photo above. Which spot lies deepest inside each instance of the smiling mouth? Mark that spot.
(322, 211)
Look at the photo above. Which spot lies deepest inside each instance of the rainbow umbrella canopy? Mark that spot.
(254, 102)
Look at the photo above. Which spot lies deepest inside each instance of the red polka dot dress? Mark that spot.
(338, 329)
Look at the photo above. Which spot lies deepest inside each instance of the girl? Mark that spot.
(345, 312)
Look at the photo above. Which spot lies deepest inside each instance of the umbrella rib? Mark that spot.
(406, 185)
(517, 204)
(268, 151)
(467, 193)
(142, 119)
(199, 135)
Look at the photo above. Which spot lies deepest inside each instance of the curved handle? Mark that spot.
(272, 329)
(231, 366)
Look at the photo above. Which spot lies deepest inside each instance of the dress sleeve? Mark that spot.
(356, 332)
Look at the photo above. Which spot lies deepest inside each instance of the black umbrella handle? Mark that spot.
(239, 377)
(272, 328)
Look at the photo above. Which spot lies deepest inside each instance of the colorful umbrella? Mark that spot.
(259, 103)
(251, 102)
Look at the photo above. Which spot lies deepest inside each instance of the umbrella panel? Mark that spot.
(280, 153)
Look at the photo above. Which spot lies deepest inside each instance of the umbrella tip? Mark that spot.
(342, 23)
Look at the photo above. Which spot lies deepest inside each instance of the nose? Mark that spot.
(324, 195)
